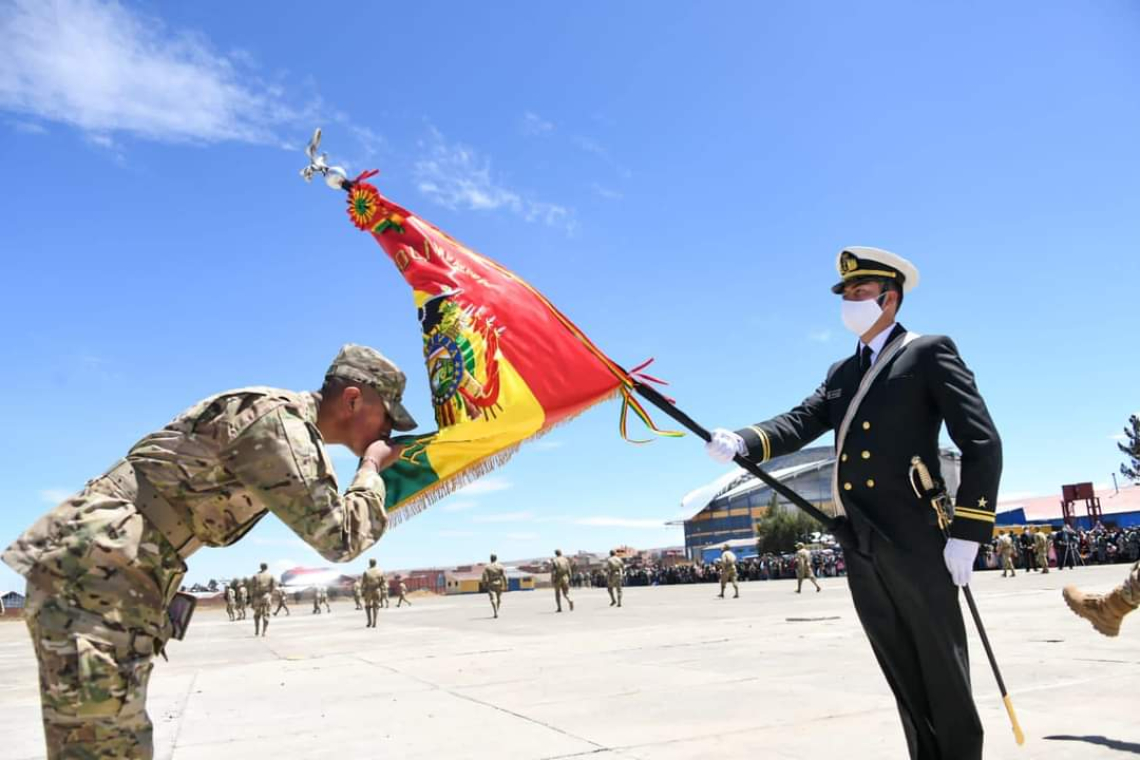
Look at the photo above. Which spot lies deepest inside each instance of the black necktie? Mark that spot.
(864, 360)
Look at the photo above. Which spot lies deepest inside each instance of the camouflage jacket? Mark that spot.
(223, 463)
(561, 568)
(264, 585)
(372, 579)
(614, 566)
(495, 577)
(803, 560)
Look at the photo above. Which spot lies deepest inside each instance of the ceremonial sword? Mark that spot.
(940, 503)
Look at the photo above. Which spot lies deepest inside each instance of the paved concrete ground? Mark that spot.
(676, 673)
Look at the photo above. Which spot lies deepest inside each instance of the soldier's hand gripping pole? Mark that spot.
(939, 503)
(662, 403)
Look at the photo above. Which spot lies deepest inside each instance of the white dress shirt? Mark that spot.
(878, 342)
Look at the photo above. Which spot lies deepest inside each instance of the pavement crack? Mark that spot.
(182, 713)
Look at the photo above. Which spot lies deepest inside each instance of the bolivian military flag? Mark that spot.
(504, 364)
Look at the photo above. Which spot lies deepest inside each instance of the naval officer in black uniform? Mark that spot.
(887, 403)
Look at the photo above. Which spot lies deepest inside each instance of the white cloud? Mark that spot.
(1117, 437)
(459, 505)
(111, 71)
(546, 445)
(591, 146)
(504, 517)
(533, 124)
(602, 521)
(820, 336)
(521, 536)
(103, 68)
(455, 176)
(491, 484)
(607, 193)
(55, 495)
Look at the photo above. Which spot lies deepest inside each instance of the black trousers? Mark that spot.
(909, 610)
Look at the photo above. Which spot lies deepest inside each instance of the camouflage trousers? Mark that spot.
(94, 674)
(1131, 587)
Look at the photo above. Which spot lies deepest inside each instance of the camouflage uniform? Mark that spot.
(101, 574)
(1107, 611)
(264, 584)
(560, 576)
(282, 601)
(243, 601)
(495, 579)
(727, 564)
(804, 569)
(1041, 548)
(403, 589)
(320, 596)
(372, 583)
(356, 595)
(614, 569)
(1005, 549)
(384, 600)
(230, 602)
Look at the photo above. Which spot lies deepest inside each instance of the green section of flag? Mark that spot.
(412, 473)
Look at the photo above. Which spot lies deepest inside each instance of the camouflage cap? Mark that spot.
(361, 364)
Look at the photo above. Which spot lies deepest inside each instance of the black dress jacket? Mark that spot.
(924, 384)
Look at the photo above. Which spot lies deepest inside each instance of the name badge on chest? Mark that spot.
(834, 394)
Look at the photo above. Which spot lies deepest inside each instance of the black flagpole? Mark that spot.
(662, 403)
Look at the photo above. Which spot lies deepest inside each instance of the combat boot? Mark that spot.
(1105, 612)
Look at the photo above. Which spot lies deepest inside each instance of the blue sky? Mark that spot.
(676, 177)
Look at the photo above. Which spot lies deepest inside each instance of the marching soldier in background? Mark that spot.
(1005, 549)
(560, 572)
(242, 599)
(1106, 611)
(264, 584)
(230, 599)
(104, 565)
(495, 581)
(372, 582)
(614, 569)
(803, 568)
(384, 600)
(1041, 548)
(403, 589)
(727, 566)
(323, 598)
(356, 595)
(887, 403)
(282, 601)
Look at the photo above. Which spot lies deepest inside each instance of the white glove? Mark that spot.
(959, 555)
(724, 445)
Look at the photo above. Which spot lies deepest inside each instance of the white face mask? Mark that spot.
(860, 316)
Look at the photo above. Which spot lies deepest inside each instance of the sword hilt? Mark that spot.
(937, 497)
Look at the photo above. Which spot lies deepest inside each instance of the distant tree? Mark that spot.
(780, 529)
(212, 585)
(1131, 448)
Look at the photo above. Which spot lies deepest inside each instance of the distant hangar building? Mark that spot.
(728, 508)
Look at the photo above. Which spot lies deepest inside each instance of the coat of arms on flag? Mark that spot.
(504, 365)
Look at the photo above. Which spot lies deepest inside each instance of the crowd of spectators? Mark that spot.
(1068, 547)
(827, 563)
